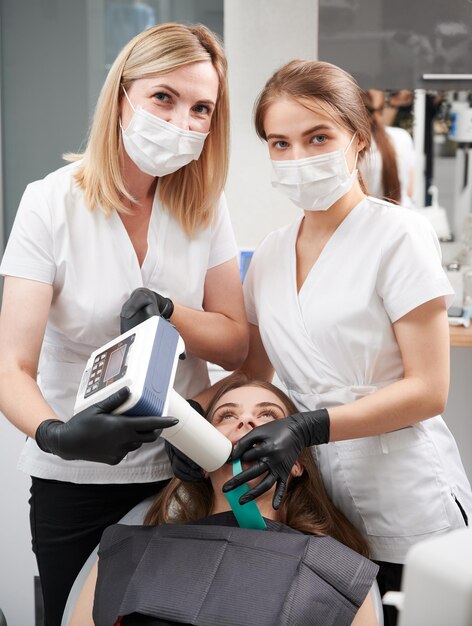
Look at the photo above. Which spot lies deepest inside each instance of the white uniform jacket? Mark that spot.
(333, 343)
(92, 265)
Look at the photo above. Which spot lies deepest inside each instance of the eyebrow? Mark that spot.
(176, 93)
(269, 404)
(165, 86)
(306, 132)
(234, 405)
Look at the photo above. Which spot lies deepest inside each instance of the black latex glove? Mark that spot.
(143, 304)
(183, 467)
(274, 447)
(95, 434)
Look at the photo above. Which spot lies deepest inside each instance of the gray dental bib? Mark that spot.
(213, 573)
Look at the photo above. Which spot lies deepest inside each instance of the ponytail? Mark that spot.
(390, 180)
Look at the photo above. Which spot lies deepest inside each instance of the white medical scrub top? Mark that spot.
(333, 343)
(92, 265)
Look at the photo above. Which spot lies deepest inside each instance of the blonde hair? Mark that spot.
(312, 83)
(190, 194)
(305, 507)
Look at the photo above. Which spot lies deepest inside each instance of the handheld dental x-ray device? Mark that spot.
(144, 359)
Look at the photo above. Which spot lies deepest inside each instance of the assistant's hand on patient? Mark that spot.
(274, 448)
(143, 304)
(95, 434)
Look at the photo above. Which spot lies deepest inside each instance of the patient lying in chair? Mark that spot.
(192, 564)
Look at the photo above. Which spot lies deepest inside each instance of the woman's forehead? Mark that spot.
(313, 111)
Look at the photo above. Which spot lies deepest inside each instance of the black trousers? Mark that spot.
(67, 521)
(389, 578)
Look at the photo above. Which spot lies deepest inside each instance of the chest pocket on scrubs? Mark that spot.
(393, 480)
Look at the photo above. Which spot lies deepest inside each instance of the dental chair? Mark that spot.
(134, 517)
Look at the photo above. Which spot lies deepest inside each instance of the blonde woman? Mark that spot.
(142, 207)
(162, 576)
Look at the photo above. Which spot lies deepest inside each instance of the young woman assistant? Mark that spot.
(348, 304)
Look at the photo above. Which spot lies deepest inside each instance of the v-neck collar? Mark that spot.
(324, 254)
(155, 237)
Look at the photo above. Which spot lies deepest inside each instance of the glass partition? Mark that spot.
(126, 18)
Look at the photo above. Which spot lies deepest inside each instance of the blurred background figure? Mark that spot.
(389, 167)
(398, 112)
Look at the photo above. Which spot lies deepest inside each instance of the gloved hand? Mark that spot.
(182, 466)
(143, 304)
(95, 434)
(274, 447)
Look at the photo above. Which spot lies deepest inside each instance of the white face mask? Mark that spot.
(158, 147)
(315, 183)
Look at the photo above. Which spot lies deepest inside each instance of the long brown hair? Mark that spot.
(305, 506)
(324, 84)
(390, 180)
(191, 193)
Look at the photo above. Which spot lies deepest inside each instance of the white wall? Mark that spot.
(260, 36)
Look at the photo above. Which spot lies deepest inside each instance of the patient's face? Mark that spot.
(240, 410)
(237, 413)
